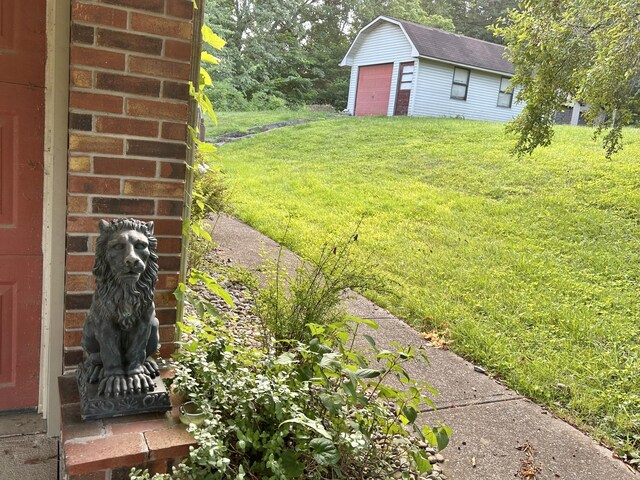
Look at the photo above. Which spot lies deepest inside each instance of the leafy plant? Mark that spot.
(317, 411)
(288, 304)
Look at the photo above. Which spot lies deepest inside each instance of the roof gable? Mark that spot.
(448, 47)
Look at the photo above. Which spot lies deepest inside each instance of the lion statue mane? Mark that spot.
(121, 330)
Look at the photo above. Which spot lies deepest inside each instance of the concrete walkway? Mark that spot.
(491, 424)
(26, 452)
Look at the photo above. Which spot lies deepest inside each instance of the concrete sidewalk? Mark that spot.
(26, 452)
(490, 423)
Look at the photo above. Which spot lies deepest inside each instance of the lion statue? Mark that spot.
(121, 330)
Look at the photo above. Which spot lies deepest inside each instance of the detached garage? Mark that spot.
(403, 68)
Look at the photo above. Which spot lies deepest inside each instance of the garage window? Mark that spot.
(505, 96)
(460, 83)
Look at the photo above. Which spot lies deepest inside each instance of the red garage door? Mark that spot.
(22, 60)
(374, 87)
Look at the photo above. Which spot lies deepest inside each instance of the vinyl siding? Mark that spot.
(384, 43)
(433, 92)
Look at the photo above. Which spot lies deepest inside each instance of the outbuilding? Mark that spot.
(403, 68)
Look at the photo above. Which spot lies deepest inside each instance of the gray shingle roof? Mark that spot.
(451, 47)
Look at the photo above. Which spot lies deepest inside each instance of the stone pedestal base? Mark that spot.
(94, 406)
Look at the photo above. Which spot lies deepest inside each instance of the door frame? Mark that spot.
(401, 66)
(54, 208)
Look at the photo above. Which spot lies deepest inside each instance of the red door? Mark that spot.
(405, 81)
(22, 60)
(374, 87)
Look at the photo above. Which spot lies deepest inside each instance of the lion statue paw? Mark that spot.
(118, 385)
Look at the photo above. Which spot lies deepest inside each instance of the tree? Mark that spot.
(583, 50)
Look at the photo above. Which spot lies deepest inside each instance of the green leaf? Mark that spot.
(370, 339)
(309, 423)
(422, 461)
(212, 285)
(367, 373)
(364, 321)
(286, 358)
(207, 57)
(291, 465)
(324, 451)
(410, 412)
(442, 437)
(211, 38)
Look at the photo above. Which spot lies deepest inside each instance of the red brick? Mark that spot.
(128, 84)
(95, 57)
(159, 68)
(133, 426)
(94, 185)
(174, 442)
(165, 27)
(110, 452)
(157, 109)
(157, 149)
(77, 243)
(177, 50)
(167, 333)
(180, 8)
(83, 224)
(169, 208)
(166, 316)
(74, 319)
(167, 280)
(167, 349)
(127, 126)
(79, 164)
(124, 166)
(73, 356)
(129, 41)
(156, 6)
(82, 34)
(175, 90)
(170, 245)
(96, 102)
(81, 121)
(101, 475)
(76, 204)
(78, 301)
(174, 131)
(141, 188)
(72, 338)
(95, 144)
(168, 227)
(173, 170)
(79, 263)
(169, 263)
(76, 283)
(123, 206)
(97, 14)
(81, 78)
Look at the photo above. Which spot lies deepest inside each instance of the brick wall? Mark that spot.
(128, 109)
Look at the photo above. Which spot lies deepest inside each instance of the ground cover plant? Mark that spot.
(530, 265)
(288, 409)
(242, 121)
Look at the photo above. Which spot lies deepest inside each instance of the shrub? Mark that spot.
(313, 295)
(317, 411)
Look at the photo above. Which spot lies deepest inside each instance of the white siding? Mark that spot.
(433, 92)
(384, 43)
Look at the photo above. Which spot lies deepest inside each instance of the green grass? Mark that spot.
(531, 264)
(241, 121)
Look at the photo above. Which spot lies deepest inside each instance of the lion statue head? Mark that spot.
(126, 267)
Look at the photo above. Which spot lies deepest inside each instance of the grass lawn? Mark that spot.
(531, 265)
(240, 121)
